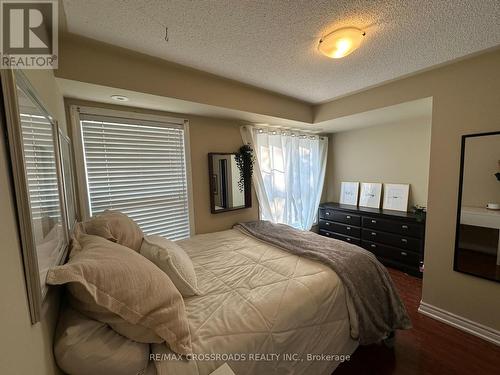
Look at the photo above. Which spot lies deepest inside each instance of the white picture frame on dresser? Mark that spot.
(370, 194)
(349, 192)
(396, 197)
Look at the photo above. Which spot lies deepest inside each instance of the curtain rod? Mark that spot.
(275, 130)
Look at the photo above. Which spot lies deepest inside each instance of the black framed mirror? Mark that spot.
(477, 243)
(226, 193)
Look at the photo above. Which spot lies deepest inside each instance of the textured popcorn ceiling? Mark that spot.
(272, 43)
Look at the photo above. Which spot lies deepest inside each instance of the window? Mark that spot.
(138, 167)
(289, 174)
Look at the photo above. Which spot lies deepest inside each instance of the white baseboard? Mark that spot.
(476, 329)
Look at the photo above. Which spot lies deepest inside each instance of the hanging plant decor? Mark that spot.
(244, 160)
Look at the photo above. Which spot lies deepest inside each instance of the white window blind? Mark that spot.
(41, 172)
(139, 168)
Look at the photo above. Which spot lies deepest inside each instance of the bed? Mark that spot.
(262, 311)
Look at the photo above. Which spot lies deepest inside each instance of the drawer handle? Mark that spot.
(327, 213)
(403, 253)
(374, 221)
(327, 223)
(347, 217)
(328, 234)
(404, 226)
(373, 245)
(348, 239)
(373, 233)
(348, 228)
(404, 240)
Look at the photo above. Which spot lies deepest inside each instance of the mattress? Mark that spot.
(262, 311)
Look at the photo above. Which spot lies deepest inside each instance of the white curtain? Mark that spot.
(288, 174)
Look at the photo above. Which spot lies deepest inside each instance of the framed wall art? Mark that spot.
(396, 197)
(370, 194)
(349, 193)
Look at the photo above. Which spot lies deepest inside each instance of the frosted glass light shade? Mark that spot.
(341, 42)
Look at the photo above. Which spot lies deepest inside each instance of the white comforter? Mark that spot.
(258, 304)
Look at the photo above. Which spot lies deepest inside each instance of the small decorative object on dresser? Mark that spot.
(349, 193)
(370, 194)
(396, 197)
(396, 238)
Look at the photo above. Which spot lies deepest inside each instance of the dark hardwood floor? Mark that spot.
(430, 347)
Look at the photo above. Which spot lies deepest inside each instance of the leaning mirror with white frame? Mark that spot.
(36, 170)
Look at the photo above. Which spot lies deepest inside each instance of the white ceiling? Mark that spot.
(272, 43)
(409, 112)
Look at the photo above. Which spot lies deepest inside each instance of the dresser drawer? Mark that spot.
(325, 213)
(340, 216)
(346, 218)
(403, 242)
(392, 253)
(355, 241)
(393, 226)
(345, 229)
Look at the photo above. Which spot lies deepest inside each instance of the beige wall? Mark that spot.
(466, 97)
(482, 158)
(206, 135)
(24, 348)
(86, 60)
(391, 153)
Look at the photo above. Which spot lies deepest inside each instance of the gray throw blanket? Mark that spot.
(378, 306)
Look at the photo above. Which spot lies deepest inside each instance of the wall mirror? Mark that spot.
(477, 244)
(226, 193)
(37, 176)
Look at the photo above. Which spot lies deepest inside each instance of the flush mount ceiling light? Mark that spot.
(119, 98)
(341, 42)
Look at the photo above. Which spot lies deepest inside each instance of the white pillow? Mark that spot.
(173, 260)
(84, 346)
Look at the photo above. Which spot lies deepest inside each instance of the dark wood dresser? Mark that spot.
(396, 238)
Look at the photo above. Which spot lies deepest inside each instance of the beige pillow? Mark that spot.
(173, 260)
(86, 305)
(113, 280)
(83, 346)
(116, 227)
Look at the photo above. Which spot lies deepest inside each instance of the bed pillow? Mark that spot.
(116, 227)
(85, 346)
(110, 281)
(86, 305)
(173, 260)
